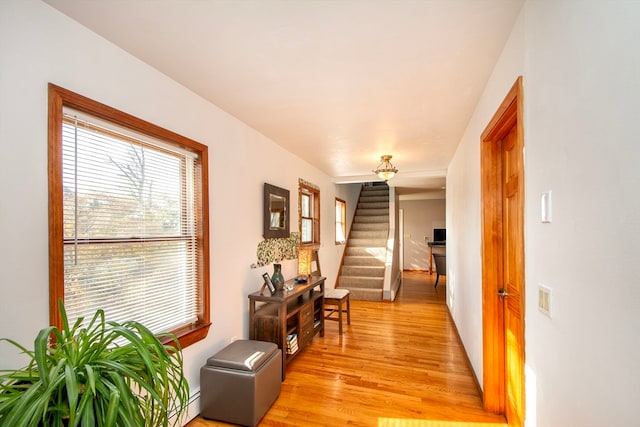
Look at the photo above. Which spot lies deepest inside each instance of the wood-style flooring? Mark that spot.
(398, 364)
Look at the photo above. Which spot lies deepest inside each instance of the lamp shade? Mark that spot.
(304, 261)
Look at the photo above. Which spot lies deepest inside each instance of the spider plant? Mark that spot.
(102, 374)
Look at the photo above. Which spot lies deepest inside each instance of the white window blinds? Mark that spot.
(130, 238)
(306, 218)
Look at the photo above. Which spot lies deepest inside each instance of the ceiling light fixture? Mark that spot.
(385, 169)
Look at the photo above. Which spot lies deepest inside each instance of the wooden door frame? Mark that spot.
(509, 113)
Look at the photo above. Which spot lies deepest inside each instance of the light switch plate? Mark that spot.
(544, 300)
(545, 206)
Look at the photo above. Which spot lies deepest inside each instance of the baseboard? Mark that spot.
(390, 295)
(193, 409)
(466, 354)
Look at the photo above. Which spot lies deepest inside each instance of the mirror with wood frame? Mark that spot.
(276, 212)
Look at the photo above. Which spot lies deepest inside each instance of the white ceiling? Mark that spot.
(336, 82)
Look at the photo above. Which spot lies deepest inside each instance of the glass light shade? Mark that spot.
(304, 262)
(386, 175)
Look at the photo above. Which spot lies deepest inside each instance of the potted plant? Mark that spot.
(102, 374)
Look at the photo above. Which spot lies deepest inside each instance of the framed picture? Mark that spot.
(269, 283)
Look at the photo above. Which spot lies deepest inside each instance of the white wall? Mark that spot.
(582, 102)
(38, 45)
(329, 250)
(464, 279)
(392, 273)
(420, 218)
(580, 64)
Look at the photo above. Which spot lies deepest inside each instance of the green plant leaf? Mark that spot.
(41, 345)
(105, 373)
(18, 346)
(73, 389)
(63, 315)
(91, 380)
(112, 411)
(85, 412)
(26, 408)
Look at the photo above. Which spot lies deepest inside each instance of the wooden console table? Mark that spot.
(297, 314)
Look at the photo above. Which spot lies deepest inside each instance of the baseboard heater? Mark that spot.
(193, 409)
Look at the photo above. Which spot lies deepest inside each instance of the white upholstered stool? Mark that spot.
(333, 302)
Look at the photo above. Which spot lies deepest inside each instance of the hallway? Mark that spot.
(398, 364)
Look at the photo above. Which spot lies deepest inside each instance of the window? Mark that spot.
(306, 218)
(309, 214)
(341, 221)
(128, 219)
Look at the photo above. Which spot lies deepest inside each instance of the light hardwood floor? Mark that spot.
(397, 365)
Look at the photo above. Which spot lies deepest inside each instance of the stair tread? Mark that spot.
(364, 251)
(354, 287)
(361, 282)
(363, 258)
(373, 271)
(364, 294)
(359, 277)
(373, 267)
(371, 218)
(363, 261)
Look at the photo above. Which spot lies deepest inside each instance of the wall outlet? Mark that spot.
(544, 300)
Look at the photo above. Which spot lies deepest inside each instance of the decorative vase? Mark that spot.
(277, 278)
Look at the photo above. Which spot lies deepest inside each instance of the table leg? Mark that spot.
(430, 260)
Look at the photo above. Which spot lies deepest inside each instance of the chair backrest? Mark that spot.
(441, 264)
(316, 260)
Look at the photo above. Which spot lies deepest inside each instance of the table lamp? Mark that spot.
(304, 264)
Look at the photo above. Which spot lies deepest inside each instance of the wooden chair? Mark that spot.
(441, 266)
(335, 300)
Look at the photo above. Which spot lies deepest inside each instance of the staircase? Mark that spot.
(364, 261)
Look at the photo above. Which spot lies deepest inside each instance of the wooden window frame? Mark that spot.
(342, 220)
(60, 98)
(315, 214)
